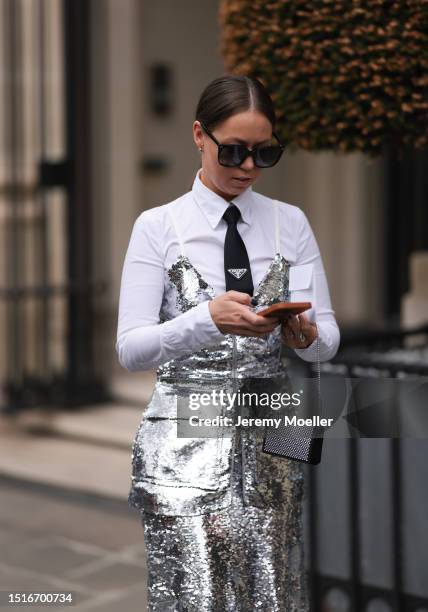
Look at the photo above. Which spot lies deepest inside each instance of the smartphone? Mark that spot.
(283, 310)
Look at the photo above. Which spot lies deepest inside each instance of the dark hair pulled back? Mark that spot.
(230, 94)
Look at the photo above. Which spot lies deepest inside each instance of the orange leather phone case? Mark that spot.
(283, 310)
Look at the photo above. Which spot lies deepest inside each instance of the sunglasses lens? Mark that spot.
(232, 155)
(268, 156)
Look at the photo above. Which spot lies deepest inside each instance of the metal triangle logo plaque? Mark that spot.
(237, 272)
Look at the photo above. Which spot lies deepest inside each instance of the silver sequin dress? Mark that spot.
(222, 520)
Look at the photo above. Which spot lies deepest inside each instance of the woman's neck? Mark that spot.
(226, 196)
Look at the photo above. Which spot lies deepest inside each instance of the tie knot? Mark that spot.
(231, 214)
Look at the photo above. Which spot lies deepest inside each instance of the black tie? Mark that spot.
(236, 263)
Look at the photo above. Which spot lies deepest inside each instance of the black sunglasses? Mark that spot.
(232, 155)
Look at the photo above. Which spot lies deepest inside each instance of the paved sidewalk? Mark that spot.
(87, 448)
(65, 524)
(55, 540)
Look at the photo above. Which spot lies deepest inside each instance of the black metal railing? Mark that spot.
(395, 354)
(47, 288)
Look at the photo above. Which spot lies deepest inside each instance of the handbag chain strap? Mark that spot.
(318, 373)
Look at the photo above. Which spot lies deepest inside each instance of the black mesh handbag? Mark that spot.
(305, 442)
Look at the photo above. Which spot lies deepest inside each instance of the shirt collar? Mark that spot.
(213, 206)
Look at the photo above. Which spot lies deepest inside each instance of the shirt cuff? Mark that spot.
(209, 332)
(190, 331)
(329, 338)
(309, 353)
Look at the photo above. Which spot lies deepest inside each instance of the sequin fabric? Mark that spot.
(222, 520)
(258, 357)
(251, 559)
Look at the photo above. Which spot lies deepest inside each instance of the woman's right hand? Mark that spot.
(232, 314)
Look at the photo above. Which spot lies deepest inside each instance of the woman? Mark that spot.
(222, 520)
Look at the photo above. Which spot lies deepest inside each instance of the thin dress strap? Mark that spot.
(277, 240)
(175, 226)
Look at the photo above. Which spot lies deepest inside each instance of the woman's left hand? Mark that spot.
(298, 332)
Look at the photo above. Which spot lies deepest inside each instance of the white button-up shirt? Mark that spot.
(143, 342)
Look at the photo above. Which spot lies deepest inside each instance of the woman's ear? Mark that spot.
(198, 135)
